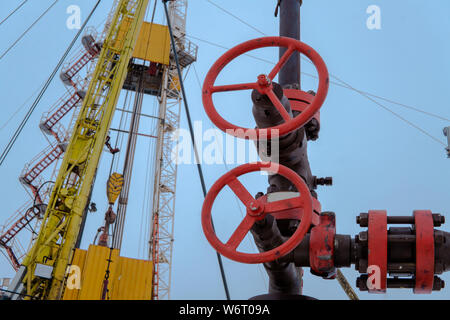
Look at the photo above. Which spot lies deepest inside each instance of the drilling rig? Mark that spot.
(286, 222)
(134, 56)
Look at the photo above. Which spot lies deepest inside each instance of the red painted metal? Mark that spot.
(377, 254)
(257, 210)
(14, 261)
(298, 212)
(424, 251)
(41, 165)
(23, 220)
(321, 246)
(58, 114)
(155, 256)
(264, 86)
(21, 223)
(79, 64)
(50, 154)
(300, 100)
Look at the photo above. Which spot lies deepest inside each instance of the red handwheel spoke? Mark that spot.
(233, 87)
(281, 63)
(285, 204)
(300, 207)
(277, 103)
(240, 233)
(263, 84)
(241, 192)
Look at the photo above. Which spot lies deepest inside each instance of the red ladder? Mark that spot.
(21, 223)
(41, 165)
(68, 74)
(62, 111)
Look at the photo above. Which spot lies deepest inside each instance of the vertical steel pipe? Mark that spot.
(290, 27)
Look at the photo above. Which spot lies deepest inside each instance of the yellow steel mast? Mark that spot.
(44, 268)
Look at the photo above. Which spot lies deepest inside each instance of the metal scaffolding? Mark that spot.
(165, 176)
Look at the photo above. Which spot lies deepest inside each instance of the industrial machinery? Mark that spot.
(286, 222)
(50, 125)
(130, 55)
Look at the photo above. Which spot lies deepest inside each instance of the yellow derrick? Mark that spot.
(54, 247)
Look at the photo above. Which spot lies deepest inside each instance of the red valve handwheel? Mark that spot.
(264, 86)
(257, 210)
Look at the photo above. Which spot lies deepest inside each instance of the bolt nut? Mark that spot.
(438, 219)
(363, 236)
(439, 238)
(259, 195)
(361, 283)
(327, 181)
(254, 206)
(363, 220)
(438, 284)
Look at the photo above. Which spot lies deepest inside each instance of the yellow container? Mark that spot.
(129, 279)
(78, 260)
(153, 43)
(133, 280)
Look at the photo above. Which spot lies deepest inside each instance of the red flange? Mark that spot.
(264, 86)
(300, 100)
(257, 210)
(321, 246)
(377, 255)
(424, 251)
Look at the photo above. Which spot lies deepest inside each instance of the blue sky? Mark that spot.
(377, 161)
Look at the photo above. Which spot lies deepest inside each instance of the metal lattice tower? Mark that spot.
(163, 211)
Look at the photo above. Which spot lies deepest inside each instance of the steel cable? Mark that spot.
(29, 28)
(194, 145)
(18, 131)
(14, 11)
(367, 95)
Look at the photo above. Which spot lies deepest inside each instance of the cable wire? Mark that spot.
(382, 98)
(147, 174)
(14, 11)
(367, 95)
(21, 107)
(194, 145)
(346, 286)
(392, 112)
(236, 17)
(20, 294)
(29, 28)
(343, 282)
(332, 82)
(227, 168)
(44, 89)
(340, 277)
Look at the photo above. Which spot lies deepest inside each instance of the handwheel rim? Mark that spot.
(296, 122)
(271, 255)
